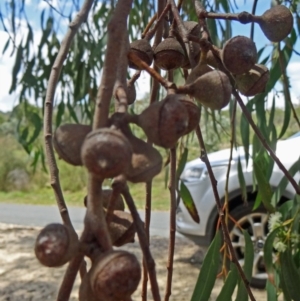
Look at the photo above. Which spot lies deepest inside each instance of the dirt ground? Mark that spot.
(23, 278)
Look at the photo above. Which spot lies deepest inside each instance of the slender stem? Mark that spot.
(75, 264)
(95, 217)
(226, 235)
(252, 24)
(150, 264)
(264, 142)
(148, 36)
(121, 103)
(147, 231)
(52, 83)
(116, 28)
(232, 140)
(172, 188)
(142, 65)
(69, 278)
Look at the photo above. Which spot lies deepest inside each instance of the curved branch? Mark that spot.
(52, 83)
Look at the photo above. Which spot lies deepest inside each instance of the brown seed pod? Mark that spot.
(213, 90)
(106, 153)
(192, 28)
(164, 122)
(143, 50)
(168, 54)
(146, 161)
(254, 81)
(106, 194)
(193, 112)
(211, 60)
(239, 54)
(114, 276)
(55, 245)
(121, 228)
(276, 23)
(199, 70)
(67, 141)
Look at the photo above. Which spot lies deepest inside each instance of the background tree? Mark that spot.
(94, 58)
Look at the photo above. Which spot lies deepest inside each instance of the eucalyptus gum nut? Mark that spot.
(194, 114)
(193, 28)
(168, 54)
(199, 70)
(105, 195)
(164, 122)
(115, 275)
(211, 60)
(55, 245)
(254, 81)
(239, 54)
(67, 141)
(106, 153)
(212, 90)
(143, 50)
(276, 23)
(146, 161)
(121, 228)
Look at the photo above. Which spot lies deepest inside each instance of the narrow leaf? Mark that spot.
(264, 187)
(242, 293)
(182, 162)
(229, 285)
(189, 202)
(208, 272)
(290, 274)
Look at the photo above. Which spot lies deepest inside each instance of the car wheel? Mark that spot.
(256, 223)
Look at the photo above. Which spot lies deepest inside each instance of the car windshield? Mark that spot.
(294, 136)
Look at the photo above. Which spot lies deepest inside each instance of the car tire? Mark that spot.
(256, 223)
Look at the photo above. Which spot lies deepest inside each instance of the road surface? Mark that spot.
(39, 216)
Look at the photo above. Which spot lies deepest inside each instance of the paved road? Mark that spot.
(36, 215)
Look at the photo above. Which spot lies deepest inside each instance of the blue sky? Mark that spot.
(34, 9)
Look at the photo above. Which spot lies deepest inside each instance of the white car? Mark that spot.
(196, 179)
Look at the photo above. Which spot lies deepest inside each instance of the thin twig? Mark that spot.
(226, 201)
(264, 142)
(172, 188)
(142, 65)
(148, 36)
(95, 218)
(204, 158)
(147, 231)
(52, 83)
(116, 28)
(150, 263)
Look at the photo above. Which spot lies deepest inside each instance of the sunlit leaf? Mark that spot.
(189, 202)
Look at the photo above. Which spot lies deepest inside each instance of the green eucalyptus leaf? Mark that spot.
(209, 271)
(229, 285)
(290, 274)
(271, 292)
(264, 187)
(182, 162)
(242, 294)
(189, 202)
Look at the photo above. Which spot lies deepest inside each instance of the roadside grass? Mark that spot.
(45, 195)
